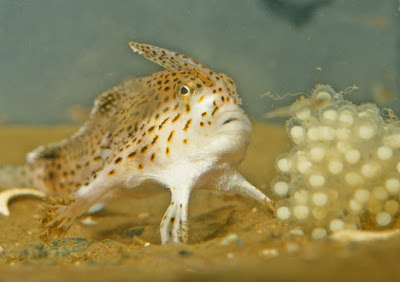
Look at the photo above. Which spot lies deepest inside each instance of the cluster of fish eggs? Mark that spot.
(343, 171)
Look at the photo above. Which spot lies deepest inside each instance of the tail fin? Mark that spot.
(13, 176)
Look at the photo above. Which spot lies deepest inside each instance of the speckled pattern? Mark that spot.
(182, 127)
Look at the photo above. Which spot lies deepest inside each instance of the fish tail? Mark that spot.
(14, 176)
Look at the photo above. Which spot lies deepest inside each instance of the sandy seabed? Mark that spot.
(231, 238)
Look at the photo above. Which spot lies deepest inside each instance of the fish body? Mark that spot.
(182, 127)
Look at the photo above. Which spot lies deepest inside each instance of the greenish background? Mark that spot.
(55, 54)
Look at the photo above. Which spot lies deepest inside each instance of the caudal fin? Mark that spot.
(13, 176)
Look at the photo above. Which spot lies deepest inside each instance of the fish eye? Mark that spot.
(184, 90)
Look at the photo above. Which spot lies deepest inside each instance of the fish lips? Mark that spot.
(235, 120)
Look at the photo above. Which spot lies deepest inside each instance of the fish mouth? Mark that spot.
(230, 120)
(234, 121)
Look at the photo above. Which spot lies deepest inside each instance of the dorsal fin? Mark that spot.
(172, 60)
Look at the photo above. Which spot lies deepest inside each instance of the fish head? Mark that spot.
(211, 119)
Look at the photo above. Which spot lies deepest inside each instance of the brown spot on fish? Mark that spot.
(161, 125)
(154, 140)
(176, 117)
(171, 135)
(214, 111)
(187, 124)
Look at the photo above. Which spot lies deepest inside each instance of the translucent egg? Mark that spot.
(352, 156)
(283, 213)
(335, 167)
(353, 178)
(319, 233)
(336, 225)
(392, 185)
(379, 193)
(368, 111)
(297, 231)
(319, 213)
(384, 153)
(343, 133)
(362, 195)
(281, 188)
(323, 95)
(317, 153)
(303, 165)
(301, 212)
(374, 205)
(366, 131)
(391, 206)
(284, 164)
(392, 141)
(324, 133)
(370, 169)
(346, 117)
(320, 199)
(303, 114)
(327, 133)
(316, 180)
(355, 206)
(301, 196)
(298, 134)
(330, 115)
(314, 134)
(383, 218)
